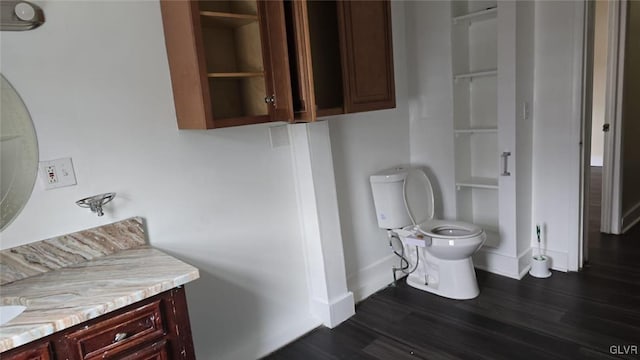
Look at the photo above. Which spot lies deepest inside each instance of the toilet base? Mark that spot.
(453, 279)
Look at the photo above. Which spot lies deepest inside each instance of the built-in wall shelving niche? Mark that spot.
(478, 183)
(475, 74)
(489, 13)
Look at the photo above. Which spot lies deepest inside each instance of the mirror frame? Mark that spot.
(19, 144)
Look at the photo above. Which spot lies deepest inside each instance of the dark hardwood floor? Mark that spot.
(591, 314)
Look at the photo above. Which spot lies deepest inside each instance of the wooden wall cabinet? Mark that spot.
(241, 62)
(155, 328)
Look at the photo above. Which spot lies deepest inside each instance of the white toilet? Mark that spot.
(438, 252)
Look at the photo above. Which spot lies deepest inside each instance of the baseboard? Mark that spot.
(630, 218)
(339, 310)
(262, 346)
(497, 263)
(378, 275)
(372, 278)
(524, 262)
(559, 260)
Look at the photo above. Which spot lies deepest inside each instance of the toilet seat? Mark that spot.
(465, 240)
(449, 230)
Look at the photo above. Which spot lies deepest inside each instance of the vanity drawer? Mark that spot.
(119, 333)
(38, 352)
(157, 351)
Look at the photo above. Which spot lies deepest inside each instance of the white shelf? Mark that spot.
(478, 183)
(476, 16)
(476, 131)
(475, 74)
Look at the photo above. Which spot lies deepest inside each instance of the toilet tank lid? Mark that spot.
(389, 175)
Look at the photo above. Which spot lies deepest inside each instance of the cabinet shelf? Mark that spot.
(234, 74)
(476, 16)
(479, 183)
(476, 131)
(475, 74)
(229, 20)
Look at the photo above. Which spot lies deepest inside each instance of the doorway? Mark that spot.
(597, 178)
(610, 110)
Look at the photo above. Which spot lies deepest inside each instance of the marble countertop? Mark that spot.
(70, 295)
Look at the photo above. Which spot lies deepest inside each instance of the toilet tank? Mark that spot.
(388, 198)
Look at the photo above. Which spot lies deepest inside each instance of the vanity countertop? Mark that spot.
(68, 296)
(67, 280)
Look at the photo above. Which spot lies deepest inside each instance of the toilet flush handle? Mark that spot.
(505, 163)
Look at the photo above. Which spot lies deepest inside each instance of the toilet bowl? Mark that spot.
(439, 251)
(452, 240)
(447, 269)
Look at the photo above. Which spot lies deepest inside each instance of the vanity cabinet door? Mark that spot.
(38, 352)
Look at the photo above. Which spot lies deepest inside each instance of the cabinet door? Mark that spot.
(276, 60)
(183, 39)
(367, 55)
(38, 352)
(301, 66)
(227, 58)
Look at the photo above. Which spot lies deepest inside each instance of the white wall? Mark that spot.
(556, 127)
(363, 144)
(96, 81)
(601, 34)
(430, 84)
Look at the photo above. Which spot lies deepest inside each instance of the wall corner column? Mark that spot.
(330, 300)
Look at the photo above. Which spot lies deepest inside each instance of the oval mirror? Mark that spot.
(18, 154)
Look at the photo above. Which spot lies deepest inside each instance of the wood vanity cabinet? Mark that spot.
(41, 351)
(154, 328)
(239, 62)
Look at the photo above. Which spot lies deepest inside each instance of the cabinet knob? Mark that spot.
(270, 100)
(119, 337)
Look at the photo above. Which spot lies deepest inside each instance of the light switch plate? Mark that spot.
(57, 173)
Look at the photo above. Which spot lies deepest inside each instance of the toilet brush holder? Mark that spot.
(540, 267)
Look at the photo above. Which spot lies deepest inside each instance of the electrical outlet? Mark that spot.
(50, 173)
(57, 173)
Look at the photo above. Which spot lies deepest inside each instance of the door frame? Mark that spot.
(586, 107)
(611, 218)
